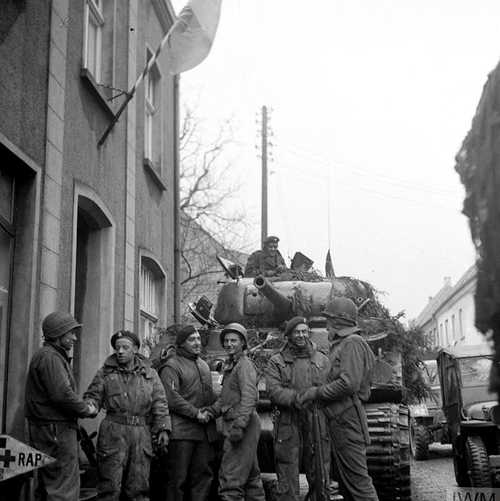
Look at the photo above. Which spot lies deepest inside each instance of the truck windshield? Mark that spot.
(475, 370)
(430, 373)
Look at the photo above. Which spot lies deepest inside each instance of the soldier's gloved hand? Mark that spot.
(162, 441)
(307, 396)
(235, 434)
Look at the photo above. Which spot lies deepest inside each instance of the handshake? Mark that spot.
(306, 396)
(204, 415)
(92, 409)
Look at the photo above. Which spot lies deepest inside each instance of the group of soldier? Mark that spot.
(170, 413)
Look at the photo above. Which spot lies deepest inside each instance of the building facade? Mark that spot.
(84, 227)
(448, 318)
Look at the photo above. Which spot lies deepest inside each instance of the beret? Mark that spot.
(125, 334)
(293, 322)
(271, 238)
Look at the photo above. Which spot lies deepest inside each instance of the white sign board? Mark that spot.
(17, 458)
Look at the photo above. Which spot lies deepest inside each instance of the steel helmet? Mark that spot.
(238, 329)
(341, 307)
(58, 323)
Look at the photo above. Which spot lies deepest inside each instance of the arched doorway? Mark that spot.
(93, 278)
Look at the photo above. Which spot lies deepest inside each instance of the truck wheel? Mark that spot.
(478, 465)
(419, 441)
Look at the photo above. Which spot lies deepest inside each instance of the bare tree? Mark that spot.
(211, 222)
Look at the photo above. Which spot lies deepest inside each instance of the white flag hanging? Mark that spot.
(187, 42)
(191, 37)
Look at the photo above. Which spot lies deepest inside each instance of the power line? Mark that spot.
(387, 196)
(391, 180)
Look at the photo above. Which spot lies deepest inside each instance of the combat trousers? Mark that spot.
(239, 474)
(189, 471)
(123, 462)
(59, 481)
(293, 447)
(349, 454)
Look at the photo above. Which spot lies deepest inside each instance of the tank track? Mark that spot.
(388, 454)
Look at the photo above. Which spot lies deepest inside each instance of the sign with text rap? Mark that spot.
(17, 458)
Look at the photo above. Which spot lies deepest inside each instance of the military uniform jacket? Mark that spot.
(350, 376)
(287, 375)
(50, 387)
(239, 395)
(137, 392)
(260, 261)
(188, 384)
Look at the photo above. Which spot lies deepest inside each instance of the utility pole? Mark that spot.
(264, 212)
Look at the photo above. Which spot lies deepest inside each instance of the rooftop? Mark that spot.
(443, 295)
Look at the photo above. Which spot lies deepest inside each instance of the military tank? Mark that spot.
(262, 305)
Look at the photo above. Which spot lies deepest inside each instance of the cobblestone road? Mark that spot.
(429, 478)
(432, 477)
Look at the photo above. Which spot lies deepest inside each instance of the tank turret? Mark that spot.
(263, 302)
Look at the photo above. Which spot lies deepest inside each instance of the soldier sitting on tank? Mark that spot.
(297, 367)
(268, 261)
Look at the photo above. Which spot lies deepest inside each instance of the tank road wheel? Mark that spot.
(419, 441)
(270, 484)
(478, 465)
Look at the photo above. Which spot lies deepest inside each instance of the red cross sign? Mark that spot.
(17, 458)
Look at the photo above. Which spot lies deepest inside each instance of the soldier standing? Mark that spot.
(133, 396)
(268, 261)
(239, 474)
(347, 387)
(295, 368)
(188, 384)
(53, 407)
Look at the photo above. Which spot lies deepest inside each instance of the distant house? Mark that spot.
(448, 317)
(201, 273)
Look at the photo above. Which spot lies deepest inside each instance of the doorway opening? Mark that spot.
(93, 287)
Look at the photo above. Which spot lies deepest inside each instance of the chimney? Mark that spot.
(447, 281)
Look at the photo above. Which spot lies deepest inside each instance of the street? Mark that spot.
(431, 478)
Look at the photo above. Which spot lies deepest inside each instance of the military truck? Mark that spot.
(427, 420)
(472, 414)
(262, 305)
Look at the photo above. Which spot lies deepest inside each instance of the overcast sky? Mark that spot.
(371, 100)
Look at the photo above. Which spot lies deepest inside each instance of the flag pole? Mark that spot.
(130, 94)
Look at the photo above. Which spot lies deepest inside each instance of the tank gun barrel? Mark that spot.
(282, 305)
